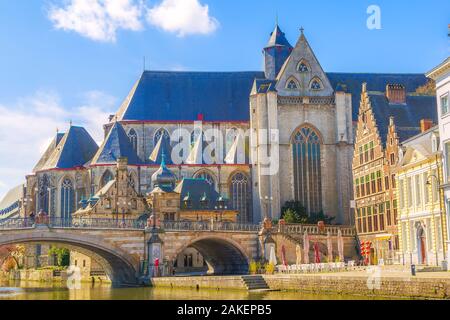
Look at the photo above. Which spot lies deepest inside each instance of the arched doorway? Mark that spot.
(421, 245)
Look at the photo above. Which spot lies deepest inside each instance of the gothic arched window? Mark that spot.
(292, 85)
(132, 135)
(67, 199)
(161, 133)
(207, 176)
(107, 177)
(316, 85)
(307, 169)
(44, 185)
(240, 193)
(302, 67)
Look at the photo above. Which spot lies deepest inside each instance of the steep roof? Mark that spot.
(224, 96)
(352, 82)
(53, 144)
(173, 96)
(75, 149)
(197, 188)
(406, 116)
(277, 38)
(115, 146)
(9, 205)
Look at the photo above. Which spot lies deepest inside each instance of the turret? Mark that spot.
(275, 53)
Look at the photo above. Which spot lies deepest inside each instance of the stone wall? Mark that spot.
(231, 282)
(392, 286)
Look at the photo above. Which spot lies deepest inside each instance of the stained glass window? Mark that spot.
(307, 169)
(240, 193)
(132, 135)
(161, 132)
(302, 67)
(292, 85)
(67, 199)
(315, 85)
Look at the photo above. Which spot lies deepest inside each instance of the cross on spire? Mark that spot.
(302, 29)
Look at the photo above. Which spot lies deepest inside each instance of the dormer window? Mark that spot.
(316, 85)
(292, 85)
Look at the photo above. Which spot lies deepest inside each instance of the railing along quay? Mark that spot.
(346, 231)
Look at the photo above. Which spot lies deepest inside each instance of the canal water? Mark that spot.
(45, 291)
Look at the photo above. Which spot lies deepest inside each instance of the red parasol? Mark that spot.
(316, 252)
(283, 255)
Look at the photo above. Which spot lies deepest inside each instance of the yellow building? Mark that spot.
(422, 221)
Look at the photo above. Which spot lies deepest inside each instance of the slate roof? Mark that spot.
(224, 96)
(9, 205)
(75, 149)
(406, 116)
(277, 38)
(48, 152)
(163, 147)
(174, 96)
(115, 146)
(352, 82)
(197, 188)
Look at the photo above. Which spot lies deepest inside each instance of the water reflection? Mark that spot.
(44, 291)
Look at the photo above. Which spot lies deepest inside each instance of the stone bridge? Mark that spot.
(123, 248)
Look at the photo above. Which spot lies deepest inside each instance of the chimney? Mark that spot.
(396, 93)
(425, 124)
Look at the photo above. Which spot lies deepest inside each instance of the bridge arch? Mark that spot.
(120, 266)
(224, 256)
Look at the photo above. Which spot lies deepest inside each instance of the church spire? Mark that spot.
(276, 52)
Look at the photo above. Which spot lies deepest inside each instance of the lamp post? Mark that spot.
(438, 186)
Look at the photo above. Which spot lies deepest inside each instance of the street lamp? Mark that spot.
(438, 185)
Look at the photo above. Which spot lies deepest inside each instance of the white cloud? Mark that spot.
(101, 19)
(28, 126)
(98, 19)
(183, 17)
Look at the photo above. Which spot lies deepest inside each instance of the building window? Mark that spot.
(361, 155)
(366, 152)
(393, 184)
(381, 213)
(409, 191)
(44, 186)
(394, 205)
(379, 182)
(302, 67)
(161, 133)
(444, 104)
(107, 177)
(316, 85)
(358, 193)
(132, 135)
(392, 159)
(292, 85)
(372, 153)
(386, 182)
(240, 191)
(368, 184)
(363, 188)
(401, 193)
(388, 213)
(418, 187)
(369, 219)
(306, 147)
(206, 176)
(67, 199)
(447, 159)
(372, 182)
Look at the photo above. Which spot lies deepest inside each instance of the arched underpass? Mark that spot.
(119, 268)
(222, 256)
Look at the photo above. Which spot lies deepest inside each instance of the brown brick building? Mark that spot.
(385, 119)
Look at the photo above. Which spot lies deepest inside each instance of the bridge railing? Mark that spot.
(208, 226)
(96, 223)
(16, 223)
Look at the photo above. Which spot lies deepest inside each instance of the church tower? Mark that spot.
(276, 52)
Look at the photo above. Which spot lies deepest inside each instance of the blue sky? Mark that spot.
(63, 60)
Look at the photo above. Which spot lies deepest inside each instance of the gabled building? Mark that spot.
(421, 221)
(385, 119)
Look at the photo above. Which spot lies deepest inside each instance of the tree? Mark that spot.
(295, 212)
(62, 256)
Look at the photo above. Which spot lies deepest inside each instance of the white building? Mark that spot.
(441, 74)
